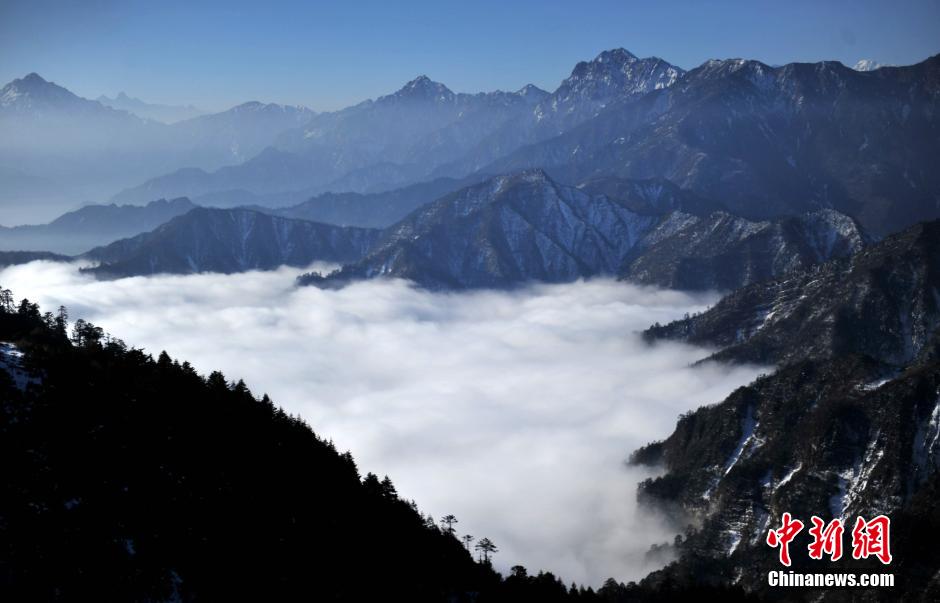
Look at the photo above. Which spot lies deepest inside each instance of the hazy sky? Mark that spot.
(514, 411)
(330, 54)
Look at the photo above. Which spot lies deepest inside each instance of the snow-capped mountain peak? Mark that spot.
(616, 55)
(532, 92)
(32, 91)
(423, 87)
(612, 75)
(868, 65)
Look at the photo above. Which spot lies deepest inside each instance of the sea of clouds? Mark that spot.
(514, 411)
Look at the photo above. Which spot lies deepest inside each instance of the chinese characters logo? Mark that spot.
(869, 538)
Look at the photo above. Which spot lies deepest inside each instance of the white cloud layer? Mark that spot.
(513, 411)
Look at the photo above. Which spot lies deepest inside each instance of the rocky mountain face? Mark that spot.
(654, 196)
(839, 439)
(504, 231)
(771, 141)
(725, 252)
(868, 65)
(881, 302)
(92, 226)
(230, 240)
(849, 425)
(612, 77)
(501, 232)
(526, 227)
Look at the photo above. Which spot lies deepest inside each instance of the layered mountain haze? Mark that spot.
(761, 141)
(378, 144)
(163, 113)
(425, 130)
(60, 148)
(92, 226)
(64, 149)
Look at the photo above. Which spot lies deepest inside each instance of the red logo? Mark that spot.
(784, 536)
(826, 540)
(869, 538)
(872, 538)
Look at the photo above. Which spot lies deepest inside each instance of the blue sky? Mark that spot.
(327, 55)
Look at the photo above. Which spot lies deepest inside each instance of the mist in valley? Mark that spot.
(514, 411)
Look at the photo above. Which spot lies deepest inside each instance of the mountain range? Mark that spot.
(501, 232)
(60, 149)
(229, 240)
(422, 132)
(163, 113)
(847, 426)
(771, 141)
(524, 227)
(809, 191)
(761, 141)
(395, 140)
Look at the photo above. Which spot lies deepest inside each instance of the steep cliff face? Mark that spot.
(882, 302)
(837, 439)
(724, 252)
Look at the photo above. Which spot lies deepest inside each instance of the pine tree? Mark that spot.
(6, 300)
(486, 548)
(62, 322)
(448, 522)
(388, 489)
